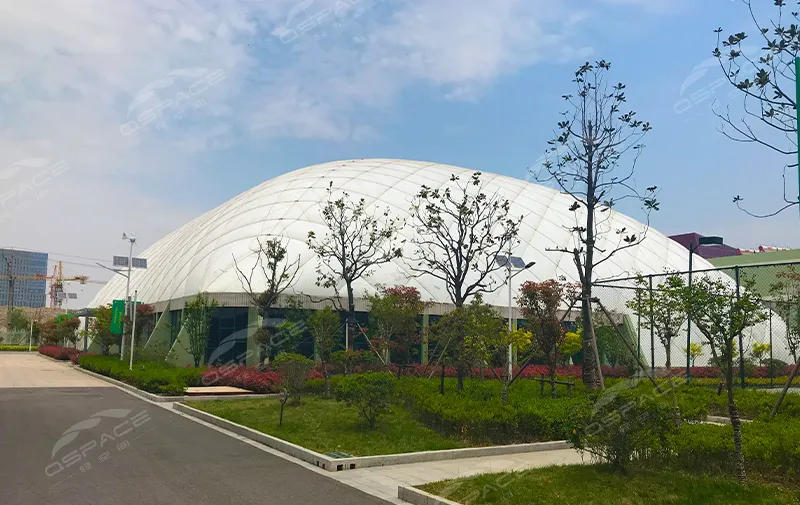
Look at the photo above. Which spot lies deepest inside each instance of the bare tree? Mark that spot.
(358, 239)
(592, 143)
(277, 270)
(461, 232)
(767, 83)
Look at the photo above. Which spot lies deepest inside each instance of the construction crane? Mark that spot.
(57, 280)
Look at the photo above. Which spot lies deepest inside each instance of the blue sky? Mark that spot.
(468, 83)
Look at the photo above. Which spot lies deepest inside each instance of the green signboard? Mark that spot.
(117, 313)
(62, 317)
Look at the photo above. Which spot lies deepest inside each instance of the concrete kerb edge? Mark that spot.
(166, 399)
(723, 420)
(340, 464)
(52, 359)
(419, 497)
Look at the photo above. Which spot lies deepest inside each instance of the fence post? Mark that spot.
(771, 364)
(638, 323)
(652, 337)
(736, 270)
(689, 333)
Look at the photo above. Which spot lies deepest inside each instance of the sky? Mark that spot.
(138, 115)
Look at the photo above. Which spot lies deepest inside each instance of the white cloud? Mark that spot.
(75, 72)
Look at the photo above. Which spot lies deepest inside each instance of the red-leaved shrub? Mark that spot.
(60, 353)
(242, 377)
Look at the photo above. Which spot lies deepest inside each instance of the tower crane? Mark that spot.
(57, 280)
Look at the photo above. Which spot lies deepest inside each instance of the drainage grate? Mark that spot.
(338, 455)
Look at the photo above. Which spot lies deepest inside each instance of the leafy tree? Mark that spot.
(695, 351)
(356, 241)
(461, 232)
(760, 352)
(100, 329)
(144, 323)
(197, 322)
(571, 345)
(370, 393)
(662, 311)
(461, 336)
(593, 158)
(541, 304)
(272, 273)
(324, 325)
(294, 370)
(394, 313)
(721, 316)
(58, 333)
(785, 295)
(766, 81)
(18, 320)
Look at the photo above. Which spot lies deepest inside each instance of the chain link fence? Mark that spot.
(764, 352)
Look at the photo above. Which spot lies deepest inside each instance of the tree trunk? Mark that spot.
(325, 379)
(351, 315)
(441, 382)
(504, 393)
(460, 374)
(733, 412)
(675, 409)
(592, 373)
(785, 390)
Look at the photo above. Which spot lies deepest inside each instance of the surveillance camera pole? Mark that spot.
(133, 328)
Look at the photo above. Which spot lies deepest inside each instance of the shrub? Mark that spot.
(623, 427)
(369, 392)
(478, 415)
(58, 352)
(16, 348)
(242, 377)
(153, 377)
(770, 449)
(293, 370)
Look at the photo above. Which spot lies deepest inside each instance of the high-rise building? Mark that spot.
(16, 270)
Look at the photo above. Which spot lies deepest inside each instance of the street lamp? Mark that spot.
(132, 241)
(692, 248)
(512, 262)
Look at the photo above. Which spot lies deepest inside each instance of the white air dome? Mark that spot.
(199, 256)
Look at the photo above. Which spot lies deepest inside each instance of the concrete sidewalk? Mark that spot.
(30, 370)
(382, 482)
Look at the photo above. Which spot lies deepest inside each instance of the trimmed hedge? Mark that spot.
(17, 348)
(58, 352)
(152, 377)
(770, 449)
(478, 415)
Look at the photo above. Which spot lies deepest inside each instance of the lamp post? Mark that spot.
(512, 262)
(132, 241)
(692, 248)
(133, 328)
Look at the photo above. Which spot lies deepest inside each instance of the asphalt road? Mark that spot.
(98, 445)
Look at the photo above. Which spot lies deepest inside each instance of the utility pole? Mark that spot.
(132, 240)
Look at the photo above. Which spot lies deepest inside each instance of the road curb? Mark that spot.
(419, 497)
(340, 464)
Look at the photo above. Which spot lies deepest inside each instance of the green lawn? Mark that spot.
(598, 485)
(326, 426)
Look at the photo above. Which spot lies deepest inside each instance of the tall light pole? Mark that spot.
(512, 262)
(132, 240)
(133, 328)
(692, 248)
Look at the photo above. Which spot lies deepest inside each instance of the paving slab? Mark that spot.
(29, 370)
(216, 390)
